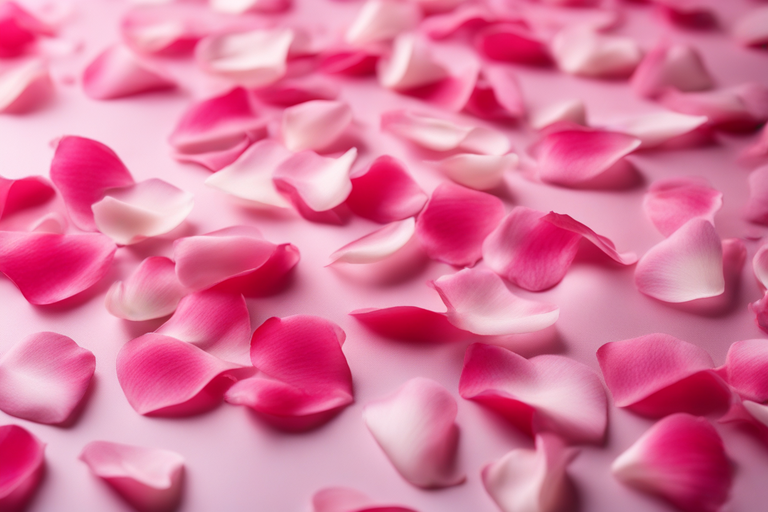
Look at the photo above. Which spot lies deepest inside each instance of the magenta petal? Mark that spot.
(568, 223)
(496, 95)
(21, 466)
(148, 478)
(315, 182)
(19, 29)
(455, 222)
(25, 87)
(757, 206)
(44, 377)
(512, 42)
(410, 323)
(269, 278)
(467, 15)
(217, 159)
(48, 267)
(416, 429)
(745, 369)
(83, 169)
(342, 499)
(152, 291)
(548, 393)
(315, 124)
(671, 202)
(681, 459)
(752, 28)
(677, 66)
(23, 193)
(117, 73)
(287, 93)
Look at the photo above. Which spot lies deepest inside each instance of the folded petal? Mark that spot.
(496, 95)
(480, 172)
(378, 245)
(267, 279)
(117, 73)
(584, 52)
(670, 203)
(667, 65)
(548, 393)
(21, 466)
(531, 480)
(385, 192)
(342, 499)
(44, 377)
(513, 42)
(382, 20)
(315, 124)
(245, 6)
(215, 159)
(152, 291)
(455, 222)
(287, 93)
(169, 29)
(410, 323)
(410, 65)
(756, 209)
(660, 127)
(317, 182)
(19, 29)
(416, 429)
(686, 266)
(751, 29)
(83, 169)
(740, 108)
(445, 25)
(25, 87)
(148, 478)
(48, 267)
(760, 267)
(23, 193)
(682, 460)
(745, 369)
(479, 302)
(569, 111)
(603, 243)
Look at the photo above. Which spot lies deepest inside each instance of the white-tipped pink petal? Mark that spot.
(410, 65)
(316, 182)
(83, 169)
(165, 376)
(48, 267)
(245, 6)
(677, 66)
(745, 369)
(480, 172)
(382, 20)
(548, 393)
(19, 29)
(23, 193)
(416, 428)
(170, 29)
(568, 223)
(456, 221)
(250, 176)
(657, 374)
(134, 213)
(580, 51)
(756, 209)
(568, 111)
(513, 42)
(25, 87)
(117, 73)
(44, 377)
(686, 266)
(148, 478)
(303, 377)
(531, 480)
(682, 460)
(152, 291)
(570, 157)
(752, 28)
(441, 26)
(547, 18)
(215, 160)
(379, 245)
(660, 127)
(21, 466)
(479, 302)
(496, 95)
(315, 124)
(342, 499)
(670, 203)
(739, 108)
(410, 323)
(760, 267)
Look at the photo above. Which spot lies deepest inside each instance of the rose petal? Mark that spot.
(671, 202)
(757, 152)
(416, 429)
(21, 466)
(410, 65)
(215, 160)
(25, 87)
(152, 291)
(117, 73)
(48, 267)
(455, 222)
(751, 29)
(287, 93)
(479, 302)
(531, 480)
(19, 29)
(382, 20)
(452, 93)
(378, 245)
(16, 195)
(445, 25)
(44, 377)
(660, 127)
(83, 169)
(688, 14)
(349, 61)
(342, 499)
(385, 192)
(170, 29)
(267, 279)
(572, 111)
(315, 124)
(410, 323)
(550, 17)
(744, 369)
(760, 310)
(681, 459)
(243, 6)
(512, 42)
(581, 51)
(667, 65)
(53, 222)
(760, 267)
(686, 266)
(480, 172)
(548, 393)
(148, 478)
(603, 243)
(756, 209)
(496, 95)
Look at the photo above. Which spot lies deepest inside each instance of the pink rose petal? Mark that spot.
(512, 42)
(410, 65)
(53, 222)
(48, 267)
(569, 111)
(385, 192)
(416, 429)
(117, 73)
(480, 172)
(453, 92)
(148, 478)
(688, 13)
(378, 245)
(152, 291)
(547, 18)
(670, 203)
(287, 93)
(349, 61)
(479, 302)
(21, 466)
(410, 323)
(757, 152)
(745, 369)
(752, 28)
(756, 209)
(682, 460)
(496, 95)
(19, 29)
(666, 66)
(44, 377)
(342, 499)
(16, 195)
(467, 15)
(303, 377)
(215, 160)
(548, 393)
(25, 87)
(568, 223)
(686, 266)
(760, 267)
(268, 279)
(315, 124)
(660, 127)
(382, 20)
(244, 6)
(583, 52)
(170, 29)
(455, 222)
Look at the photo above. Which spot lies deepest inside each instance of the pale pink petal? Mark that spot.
(303, 377)
(342, 499)
(531, 480)
(53, 222)
(134, 213)
(287, 93)
(480, 172)
(385, 192)
(670, 203)
(479, 302)
(215, 160)
(760, 267)
(117, 73)
(745, 369)
(416, 429)
(410, 323)
(410, 65)
(455, 222)
(382, 20)
(315, 124)
(466, 15)
(583, 52)
(19, 29)
(548, 393)
(152, 291)
(148, 478)
(496, 95)
(677, 66)
(21, 466)
(250, 176)
(570, 111)
(756, 209)
(513, 42)
(25, 87)
(752, 28)
(681, 459)
(48, 267)
(378, 245)
(739, 108)
(165, 376)
(568, 223)
(44, 377)
(686, 266)
(660, 127)
(569, 157)
(657, 374)
(83, 169)
(23, 193)
(454, 92)
(169, 29)
(243, 6)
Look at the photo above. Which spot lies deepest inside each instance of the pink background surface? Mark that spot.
(237, 463)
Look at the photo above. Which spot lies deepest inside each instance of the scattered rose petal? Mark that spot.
(53, 222)
(496, 95)
(454, 92)
(670, 203)
(19, 29)
(25, 87)
(480, 172)
(757, 152)
(467, 14)
(215, 160)
(382, 20)
(349, 61)
(378, 245)
(170, 29)
(752, 28)
(547, 18)
(244, 6)
(21, 466)
(677, 66)
(760, 267)
(152, 291)
(416, 429)
(117, 73)
(315, 124)
(342, 499)
(681, 459)
(410, 65)
(548, 393)
(756, 209)
(745, 369)
(287, 93)
(687, 13)
(268, 279)
(16, 195)
(438, 6)
(570, 111)
(603, 243)
(660, 127)
(410, 323)
(512, 42)
(583, 52)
